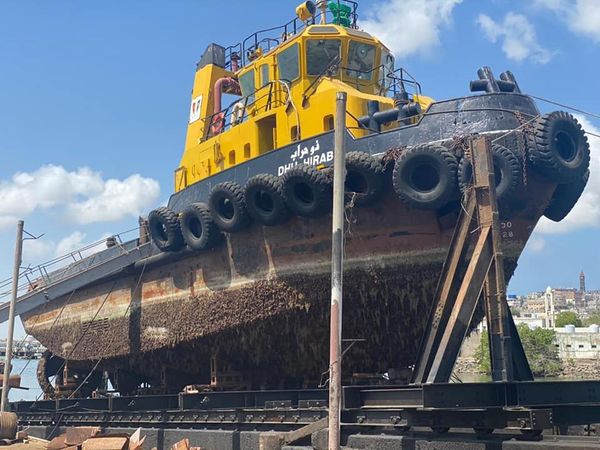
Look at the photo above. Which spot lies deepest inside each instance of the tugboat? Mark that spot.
(232, 288)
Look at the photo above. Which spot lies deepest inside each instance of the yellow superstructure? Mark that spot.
(284, 94)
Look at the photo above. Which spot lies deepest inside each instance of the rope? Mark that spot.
(572, 108)
(523, 125)
(81, 336)
(291, 102)
(137, 285)
(51, 326)
(139, 280)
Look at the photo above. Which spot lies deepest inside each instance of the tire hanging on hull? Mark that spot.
(565, 197)
(228, 207)
(364, 178)
(198, 229)
(165, 229)
(425, 176)
(558, 147)
(507, 170)
(264, 200)
(307, 191)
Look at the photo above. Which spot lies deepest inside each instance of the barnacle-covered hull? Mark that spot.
(260, 302)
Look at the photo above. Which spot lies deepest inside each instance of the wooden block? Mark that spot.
(58, 443)
(136, 441)
(105, 443)
(271, 440)
(183, 444)
(76, 435)
(22, 434)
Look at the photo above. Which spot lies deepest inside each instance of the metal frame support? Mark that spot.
(496, 308)
(11, 316)
(473, 271)
(337, 272)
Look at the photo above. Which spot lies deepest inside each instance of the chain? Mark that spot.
(526, 126)
(392, 155)
(460, 146)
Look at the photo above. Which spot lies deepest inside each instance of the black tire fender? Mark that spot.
(165, 229)
(364, 178)
(198, 229)
(507, 170)
(565, 197)
(228, 207)
(264, 199)
(307, 191)
(425, 176)
(558, 147)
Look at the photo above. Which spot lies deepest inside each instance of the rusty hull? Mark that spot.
(261, 299)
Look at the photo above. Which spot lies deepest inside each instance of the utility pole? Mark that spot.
(11, 316)
(337, 271)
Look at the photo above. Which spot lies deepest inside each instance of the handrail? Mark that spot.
(286, 31)
(41, 275)
(224, 115)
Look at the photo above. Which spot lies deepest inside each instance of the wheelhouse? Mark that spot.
(279, 86)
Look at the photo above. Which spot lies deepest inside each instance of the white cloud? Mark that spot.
(409, 26)
(71, 243)
(43, 250)
(83, 194)
(536, 244)
(36, 251)
(586, 212)
(517, 33)
(116, 200)
(581, 16)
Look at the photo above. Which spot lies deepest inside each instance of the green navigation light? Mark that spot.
(341, 13)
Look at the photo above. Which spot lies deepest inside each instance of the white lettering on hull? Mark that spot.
(312, 156)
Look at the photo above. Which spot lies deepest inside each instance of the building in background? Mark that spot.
(578, 343)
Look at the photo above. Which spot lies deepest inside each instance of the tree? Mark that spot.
(592, 319)
(482, 355)
(541, 352)
(539, 348)
(567, 318)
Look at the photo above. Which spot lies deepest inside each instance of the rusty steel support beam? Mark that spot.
(445, 291)
(458, 323)
(473, 269)
(496, 308)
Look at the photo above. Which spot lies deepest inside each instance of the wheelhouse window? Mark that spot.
(264, 75)
(361, 60)
(247, 85)
(288, 64)
(387, 68)
(320, 53)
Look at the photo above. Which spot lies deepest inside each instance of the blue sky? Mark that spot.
(94, 98)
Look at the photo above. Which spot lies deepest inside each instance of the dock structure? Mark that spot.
(400, 416)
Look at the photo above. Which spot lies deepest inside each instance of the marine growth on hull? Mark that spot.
(240, 274)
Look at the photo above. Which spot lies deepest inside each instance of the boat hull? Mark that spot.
(260, 300)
